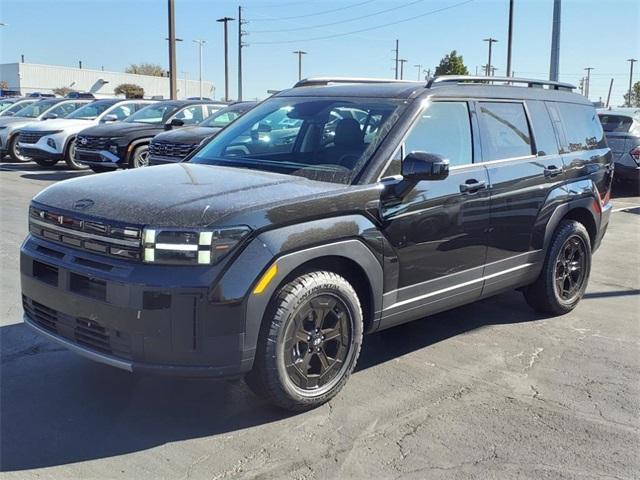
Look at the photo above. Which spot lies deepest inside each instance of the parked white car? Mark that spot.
(48, 143)
(46, 109)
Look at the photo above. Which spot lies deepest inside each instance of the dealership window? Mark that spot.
(504, 130)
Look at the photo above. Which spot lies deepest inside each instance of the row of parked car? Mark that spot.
(110, 133)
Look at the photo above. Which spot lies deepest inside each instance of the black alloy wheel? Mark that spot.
(570, 268)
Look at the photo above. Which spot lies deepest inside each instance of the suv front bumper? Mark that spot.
(103, 158)
(90, 304)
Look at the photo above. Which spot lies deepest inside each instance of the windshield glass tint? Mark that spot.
(90, 111)
(16, 107)
(223, 117)
(5, 104)
(152, 114)
(327, 139)
(615, 123)
(36, 109)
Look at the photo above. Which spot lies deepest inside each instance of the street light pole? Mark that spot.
(200, 45)
(172, 52)
(554, 67)
(510, 38)
(419, 67)
(491, 42)
(631, 61)
(397, 58)
(225, 21)
(588, 84)
(300, 53)
(402, 62)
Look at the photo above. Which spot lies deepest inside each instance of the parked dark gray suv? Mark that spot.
(269, 256)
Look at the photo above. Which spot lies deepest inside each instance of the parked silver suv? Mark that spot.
(622, 129)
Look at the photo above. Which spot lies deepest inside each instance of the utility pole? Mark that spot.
(609, 95)
(510, 38)
(402, 62)
(397, 58)
(22, 58)
(241, 45)
(80, 64)
(588, 84)
(419, 67)
(300, 53)
(172, 52)
(631, 61)
(493, 71)
(554, 68)
(491, 42)
(581, 86)
(200, 45)
(225, 21)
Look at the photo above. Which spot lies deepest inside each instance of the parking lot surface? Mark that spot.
(489, 390)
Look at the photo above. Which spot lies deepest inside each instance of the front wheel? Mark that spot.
(309, 342)
(140, 157)
(70, 157)
(14, 151)
(565, 273)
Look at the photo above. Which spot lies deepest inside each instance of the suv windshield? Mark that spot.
(224, 117)
(36, 109)
(16, 107)
(615, 123)
(326, 139)
(90, 111)
(152, 114)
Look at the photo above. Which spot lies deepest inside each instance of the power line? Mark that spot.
(326, 37)
(314, 14)
(348, 20)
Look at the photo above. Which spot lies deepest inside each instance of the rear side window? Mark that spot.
(582, 127)
(443, 128)
(615, 123)
(504, 130)
(546, 142)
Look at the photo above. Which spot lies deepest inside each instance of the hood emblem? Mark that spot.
(83, 140)
(83, 203)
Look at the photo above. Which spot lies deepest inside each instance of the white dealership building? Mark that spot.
(30, 77)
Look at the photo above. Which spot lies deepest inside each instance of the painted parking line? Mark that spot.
(629, 209)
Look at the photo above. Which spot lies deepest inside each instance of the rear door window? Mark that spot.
(582, 127)
(190, 115)
(545, 138)
(504, 130)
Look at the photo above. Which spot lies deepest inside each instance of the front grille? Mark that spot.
(31, 137)
(96, 237)
(83, 331)
(174, 150)
(91, 143)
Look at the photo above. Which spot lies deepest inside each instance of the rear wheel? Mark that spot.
(140, 157)
(14, 151)
(309, 342)
(565, 273)
(70, 156)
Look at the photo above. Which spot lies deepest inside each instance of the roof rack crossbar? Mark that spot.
(308, 82)
(468, 79)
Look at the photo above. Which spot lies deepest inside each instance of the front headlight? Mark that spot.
(189, 247)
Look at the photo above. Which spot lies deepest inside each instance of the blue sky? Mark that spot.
(114, 33)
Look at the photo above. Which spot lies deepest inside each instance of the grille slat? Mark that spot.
(91, 143)
(174, 150)
(31, 137)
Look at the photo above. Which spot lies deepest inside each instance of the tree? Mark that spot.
(635, 96)
(129, 90)
(451, 64)
(62, 91)
(4, 85)
(146, 69)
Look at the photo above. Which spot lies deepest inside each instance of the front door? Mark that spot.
(439, 228)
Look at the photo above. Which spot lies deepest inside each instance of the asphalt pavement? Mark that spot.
(489, 390)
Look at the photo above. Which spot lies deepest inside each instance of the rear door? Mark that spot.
(520, 151)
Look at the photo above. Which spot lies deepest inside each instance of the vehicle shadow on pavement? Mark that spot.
(58, 408)
(32, 171)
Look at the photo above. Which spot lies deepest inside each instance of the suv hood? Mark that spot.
(60, 124)
(186, 135)
(187, 195)
(118, 129)
(13, 122)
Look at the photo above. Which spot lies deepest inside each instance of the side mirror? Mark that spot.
(110, 118)
(418, 166)
(50, 116)
(175, 122)
(264, 127)
(8, 114)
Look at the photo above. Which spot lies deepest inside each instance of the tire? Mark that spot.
(14, 151)
(565, 273)
(140, 157)
(45, 162)
(300, 318)
(69, 156)
(100, 169)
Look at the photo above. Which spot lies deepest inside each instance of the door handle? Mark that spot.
(472, 186)
(552, 171)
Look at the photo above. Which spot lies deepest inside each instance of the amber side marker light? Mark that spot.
(266, 279)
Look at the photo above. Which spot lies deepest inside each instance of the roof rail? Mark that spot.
(309, 82)
(468, 79)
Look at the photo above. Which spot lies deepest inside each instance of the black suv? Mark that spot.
(126, 144)
(270, 256)
(175, 145)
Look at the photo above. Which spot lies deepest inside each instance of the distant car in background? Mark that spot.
(622, 129)
(49, 143)
(173, 146)
(126, 144)
(41, 109)
(10, 105)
